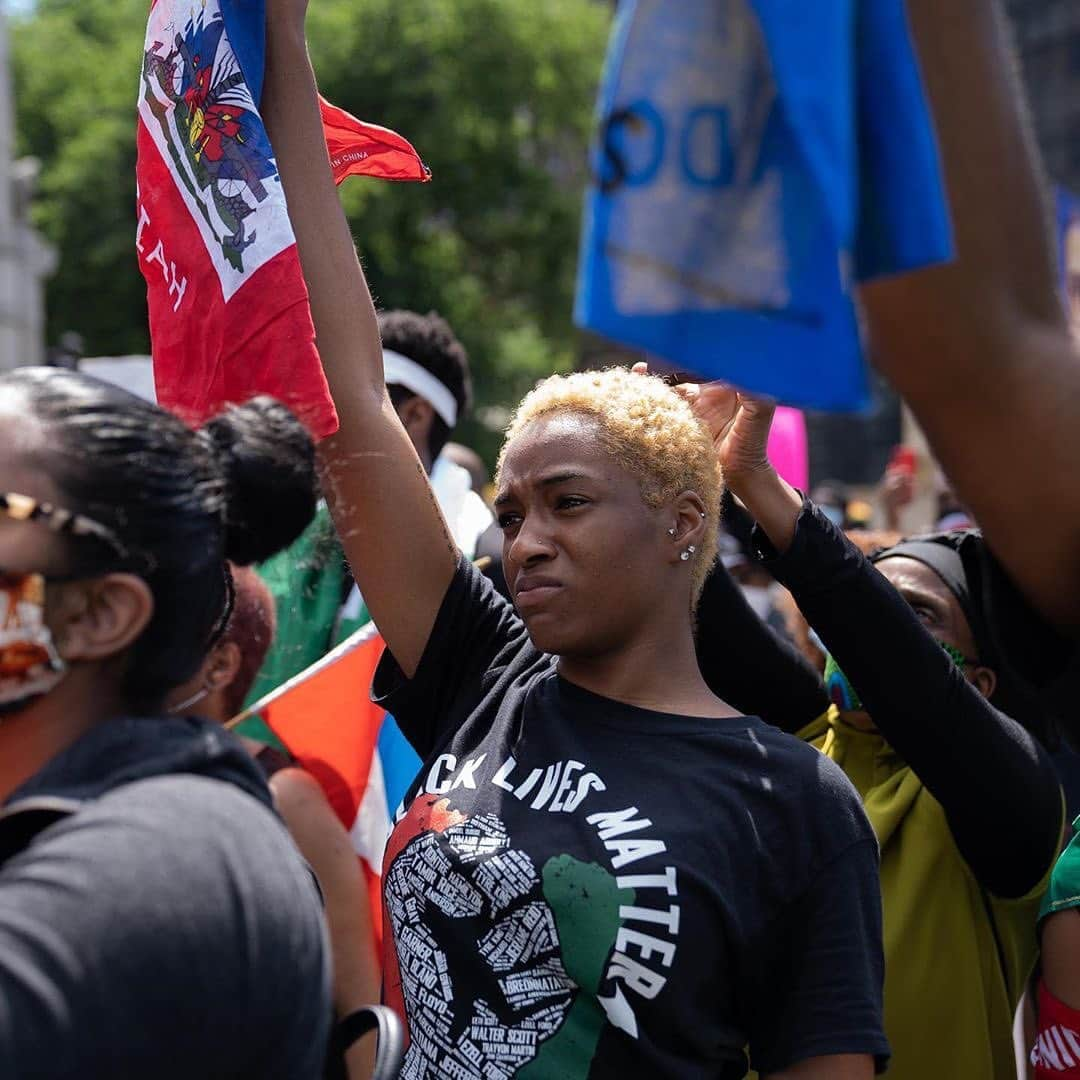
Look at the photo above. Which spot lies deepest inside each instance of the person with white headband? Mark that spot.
(403, 373)
(427, 375)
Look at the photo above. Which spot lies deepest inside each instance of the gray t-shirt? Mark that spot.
(165, 928)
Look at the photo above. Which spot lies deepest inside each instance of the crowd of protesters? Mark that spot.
(711, 778)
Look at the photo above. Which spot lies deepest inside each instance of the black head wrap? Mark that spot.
(946, 562)
(1032, 662)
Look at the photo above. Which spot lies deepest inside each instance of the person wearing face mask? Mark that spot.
(155, 917)
(963, 798)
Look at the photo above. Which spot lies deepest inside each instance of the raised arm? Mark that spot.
(400, 550)
(1005, 811)
(980, 348)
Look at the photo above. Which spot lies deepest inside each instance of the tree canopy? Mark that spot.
(496, 95)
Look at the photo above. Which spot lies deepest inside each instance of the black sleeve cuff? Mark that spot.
(818, 552)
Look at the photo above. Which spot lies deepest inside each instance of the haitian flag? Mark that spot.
(1068, 229)
(228, 305)
(357, 148)
(330, 727)
(756, 160)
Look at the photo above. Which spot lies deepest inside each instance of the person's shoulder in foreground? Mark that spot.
(155, 918)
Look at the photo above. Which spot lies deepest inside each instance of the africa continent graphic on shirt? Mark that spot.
(447, 871)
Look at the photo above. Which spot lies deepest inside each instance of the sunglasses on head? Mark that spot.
(25, 508)
(66, 522)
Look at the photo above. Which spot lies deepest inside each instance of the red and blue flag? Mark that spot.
(228, 305)
(326, 720)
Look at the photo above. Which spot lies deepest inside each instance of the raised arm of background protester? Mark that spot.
(980, 348)
(399, 548)
(1003, 805)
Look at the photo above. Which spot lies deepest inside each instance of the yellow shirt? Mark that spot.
(949, 999)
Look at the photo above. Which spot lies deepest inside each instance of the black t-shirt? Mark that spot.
(582, 888)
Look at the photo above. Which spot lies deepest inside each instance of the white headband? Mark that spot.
(408, 373)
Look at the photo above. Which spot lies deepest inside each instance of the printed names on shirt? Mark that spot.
(567, 946)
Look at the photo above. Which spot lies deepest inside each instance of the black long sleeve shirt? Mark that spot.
(995, 782)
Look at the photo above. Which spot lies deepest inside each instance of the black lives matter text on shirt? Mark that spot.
(579, 888)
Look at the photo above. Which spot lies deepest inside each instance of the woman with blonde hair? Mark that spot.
(602, 869)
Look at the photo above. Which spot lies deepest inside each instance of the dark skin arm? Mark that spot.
(743, 661)
(325, 844)
(832, 1067)
(980, 348)
(377, 489)
(1061, 956)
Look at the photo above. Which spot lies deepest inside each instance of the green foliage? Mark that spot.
(76, 67)
(496, 95)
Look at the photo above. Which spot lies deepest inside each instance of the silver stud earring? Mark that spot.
(671, 532)
(685, 556)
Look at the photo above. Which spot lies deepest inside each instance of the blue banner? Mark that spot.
(1068, 230)
(757, 159)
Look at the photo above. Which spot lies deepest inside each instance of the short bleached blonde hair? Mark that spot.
(649, 430)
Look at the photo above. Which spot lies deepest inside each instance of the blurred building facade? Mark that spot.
(25, 259)
(1048, 40)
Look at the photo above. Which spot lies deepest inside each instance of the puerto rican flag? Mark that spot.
(228, 305)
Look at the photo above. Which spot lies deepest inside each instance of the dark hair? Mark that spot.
(181, 502)
(428, 341)
(251, 629)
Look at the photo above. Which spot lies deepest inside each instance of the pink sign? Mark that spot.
(787, 447)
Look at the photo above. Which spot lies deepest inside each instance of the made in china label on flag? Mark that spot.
(228, 306)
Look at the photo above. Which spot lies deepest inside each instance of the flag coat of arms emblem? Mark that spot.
(227, 301)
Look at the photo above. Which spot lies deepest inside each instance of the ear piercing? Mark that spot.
(672, 531)
(685, 556)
